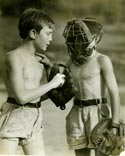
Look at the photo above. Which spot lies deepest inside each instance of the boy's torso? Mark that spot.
(88, 79)
(31, 72)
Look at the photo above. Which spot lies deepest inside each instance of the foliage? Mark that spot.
(15, 8)
(111, 10)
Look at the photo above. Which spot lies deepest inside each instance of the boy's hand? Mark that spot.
(43, 59)
(58, 80)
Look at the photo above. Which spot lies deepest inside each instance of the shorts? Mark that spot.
(21, 123)
(79, 123)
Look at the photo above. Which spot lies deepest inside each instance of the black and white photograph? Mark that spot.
(62, 77)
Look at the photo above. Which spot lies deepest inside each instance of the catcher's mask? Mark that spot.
(81, 36)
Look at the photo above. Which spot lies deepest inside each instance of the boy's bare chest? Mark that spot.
(32, 70)
(86, 71)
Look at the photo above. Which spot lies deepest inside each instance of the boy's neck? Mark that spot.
(28, 48)
(93, 53)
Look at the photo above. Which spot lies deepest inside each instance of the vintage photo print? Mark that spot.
(62, 83)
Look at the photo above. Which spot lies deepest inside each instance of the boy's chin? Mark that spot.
(44, 48)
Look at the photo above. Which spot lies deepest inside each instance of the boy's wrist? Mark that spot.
(52, 85)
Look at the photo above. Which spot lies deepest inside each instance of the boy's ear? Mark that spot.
(32, 34)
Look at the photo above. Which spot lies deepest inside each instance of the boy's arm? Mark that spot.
(110, 80)
(23, 95)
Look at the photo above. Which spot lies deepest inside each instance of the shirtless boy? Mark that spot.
(21, 116)
(93, 74)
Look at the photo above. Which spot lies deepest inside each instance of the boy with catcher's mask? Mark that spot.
(21, 116)
(93, 74)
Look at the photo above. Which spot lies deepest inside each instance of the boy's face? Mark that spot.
(43, 38)
(80, 50)
(81, 38)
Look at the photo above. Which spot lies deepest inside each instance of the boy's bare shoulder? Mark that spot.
(68, 63)
(13, 57)
(104, 60)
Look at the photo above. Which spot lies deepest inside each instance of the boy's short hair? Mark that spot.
(33, 19)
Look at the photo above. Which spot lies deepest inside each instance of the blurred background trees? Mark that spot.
(110, 10)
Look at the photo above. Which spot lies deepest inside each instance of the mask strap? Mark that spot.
(92, 44)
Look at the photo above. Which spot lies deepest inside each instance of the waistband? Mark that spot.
(30, 105)
(89, 102)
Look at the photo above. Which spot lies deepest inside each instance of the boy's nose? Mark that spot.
(50, 38)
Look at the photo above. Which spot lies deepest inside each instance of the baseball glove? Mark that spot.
(105, 141)
(61, 95)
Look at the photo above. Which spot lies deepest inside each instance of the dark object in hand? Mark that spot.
(62, 95)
